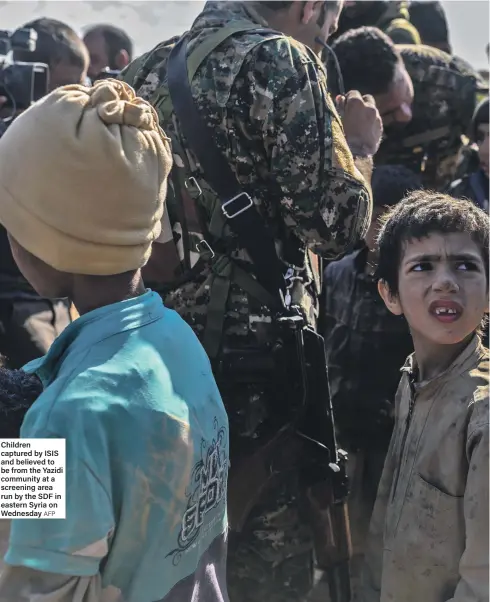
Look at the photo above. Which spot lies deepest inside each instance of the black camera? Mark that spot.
(21, 83)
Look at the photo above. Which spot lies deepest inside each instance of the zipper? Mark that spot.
(405, 435)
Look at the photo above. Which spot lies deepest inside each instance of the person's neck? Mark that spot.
(92, 292)
(278, 20)
(433, 359)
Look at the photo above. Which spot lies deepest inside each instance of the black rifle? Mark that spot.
(324, 469)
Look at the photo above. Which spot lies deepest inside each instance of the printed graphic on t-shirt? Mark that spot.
(207, 490)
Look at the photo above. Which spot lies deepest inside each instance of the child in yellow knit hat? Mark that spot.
(127, 384)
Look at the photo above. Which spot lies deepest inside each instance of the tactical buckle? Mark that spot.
(290, 279)
(193, 182)
(244, 199)
(207, 247)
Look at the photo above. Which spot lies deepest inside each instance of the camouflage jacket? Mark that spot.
(392, 17)
(445, 96)
(281, 135)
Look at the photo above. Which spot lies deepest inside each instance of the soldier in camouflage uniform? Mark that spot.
(266, 98)
(390, 16)
(442, 91)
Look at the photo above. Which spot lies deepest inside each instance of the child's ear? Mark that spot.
(392, 302)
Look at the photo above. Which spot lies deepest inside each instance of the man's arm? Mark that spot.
(365, 166)
(324, 199)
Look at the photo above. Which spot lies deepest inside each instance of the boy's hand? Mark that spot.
(362, 123)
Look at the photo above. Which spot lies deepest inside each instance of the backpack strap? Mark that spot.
(237, 205)
(160, 99)
(206, 47)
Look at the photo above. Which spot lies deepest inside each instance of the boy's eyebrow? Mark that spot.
(455, 257)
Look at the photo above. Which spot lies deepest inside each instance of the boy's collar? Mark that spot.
(458, 366)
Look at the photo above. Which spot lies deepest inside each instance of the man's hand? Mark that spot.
(362, 123)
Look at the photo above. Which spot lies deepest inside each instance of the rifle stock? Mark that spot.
(326, 483)
(257, 473)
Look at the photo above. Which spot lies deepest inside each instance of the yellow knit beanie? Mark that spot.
(83, 179)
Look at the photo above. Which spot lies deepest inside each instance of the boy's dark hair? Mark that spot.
(479, 116)
(391, 184)
(116, 39)
(367, 59)
(422, 213)
(56, 42)
(429, 18)
(18, 391)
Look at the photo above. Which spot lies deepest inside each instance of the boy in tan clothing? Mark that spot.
(428, 537)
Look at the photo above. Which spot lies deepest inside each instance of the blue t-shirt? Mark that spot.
(131, 390)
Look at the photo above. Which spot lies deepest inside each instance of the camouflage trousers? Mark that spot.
(271, 559)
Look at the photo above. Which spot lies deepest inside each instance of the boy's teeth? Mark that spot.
(445, 310)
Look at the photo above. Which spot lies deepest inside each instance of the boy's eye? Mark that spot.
(466, 266)
(421, 267)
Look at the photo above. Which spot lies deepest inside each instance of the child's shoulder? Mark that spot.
(155, 347)
(476, 378)
(478, 389)
(161, 366)
(469, 391)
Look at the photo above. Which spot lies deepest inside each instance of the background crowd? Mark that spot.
(435, 113)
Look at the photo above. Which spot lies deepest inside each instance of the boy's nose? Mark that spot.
(445, 281)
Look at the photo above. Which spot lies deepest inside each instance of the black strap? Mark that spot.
(243, 217)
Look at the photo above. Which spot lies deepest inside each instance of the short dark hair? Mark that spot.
(367, 59)
(391, 184)
(116, 39)
(18, 391)
(429, 18)
(420, 214)
(56, 42)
